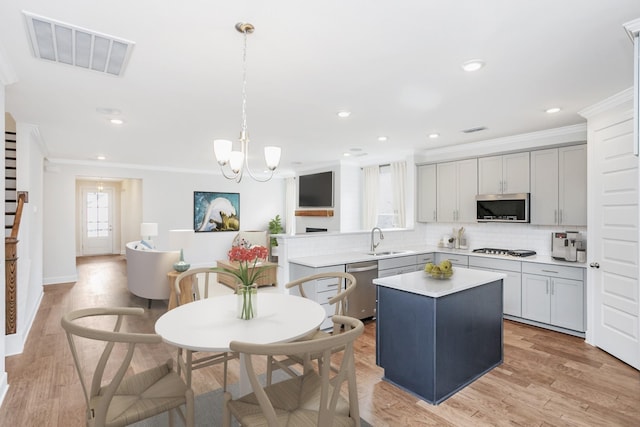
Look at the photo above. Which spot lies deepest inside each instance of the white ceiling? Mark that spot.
(394, 64)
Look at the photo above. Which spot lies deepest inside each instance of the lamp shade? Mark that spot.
(180, 239)
(272, 156)
(149, 229)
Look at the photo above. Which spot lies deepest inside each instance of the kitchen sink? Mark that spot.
(387, 253)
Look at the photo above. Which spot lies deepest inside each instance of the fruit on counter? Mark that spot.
(428, 267)
(445, 265)
(436, 270)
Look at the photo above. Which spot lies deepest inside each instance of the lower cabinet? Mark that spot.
(512, 284)
(456, 260)
(320, 290)
(396, 265)
(423, 259)
(554, 294)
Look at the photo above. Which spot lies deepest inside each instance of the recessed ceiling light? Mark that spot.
(344, 114)
(116, 121)
(434, 135)
(355, 149)
(346, 154)
(382, 138)
(553, 110)
(472, 65)
(101, 157)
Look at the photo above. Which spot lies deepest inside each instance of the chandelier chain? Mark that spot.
(244, 87)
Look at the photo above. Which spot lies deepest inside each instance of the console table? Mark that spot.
(268, 277)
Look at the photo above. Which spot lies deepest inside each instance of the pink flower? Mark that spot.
(243, 256)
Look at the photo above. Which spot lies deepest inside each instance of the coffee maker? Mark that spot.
(565, 245)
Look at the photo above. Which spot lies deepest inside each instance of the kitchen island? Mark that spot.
(434, 337)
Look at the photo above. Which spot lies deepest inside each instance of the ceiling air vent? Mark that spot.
(472, 130)
(59, 42)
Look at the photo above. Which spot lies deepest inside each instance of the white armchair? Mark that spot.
(147, 271)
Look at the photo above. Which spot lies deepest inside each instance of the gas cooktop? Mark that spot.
(510, 252)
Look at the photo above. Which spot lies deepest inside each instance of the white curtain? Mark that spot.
(398, 183)
(370, 202)
(290, 206)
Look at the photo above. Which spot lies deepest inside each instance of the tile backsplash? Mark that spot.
(501, 235)
(494, 235)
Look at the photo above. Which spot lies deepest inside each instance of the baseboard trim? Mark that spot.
(60, 280)
(14, 343)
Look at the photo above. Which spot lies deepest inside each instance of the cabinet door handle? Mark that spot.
(594, 265)
(552, 288)
(550, 271)
(555, 216)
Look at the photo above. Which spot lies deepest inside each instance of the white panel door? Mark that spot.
(613, 238)
(97, 221)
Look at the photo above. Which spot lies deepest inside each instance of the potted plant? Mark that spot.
(275, 227)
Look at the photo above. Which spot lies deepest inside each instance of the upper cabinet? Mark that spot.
(559, 186)
(457, 186)
(504, 174)
(426, 190)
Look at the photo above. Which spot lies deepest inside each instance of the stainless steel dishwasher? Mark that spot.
(361, 304)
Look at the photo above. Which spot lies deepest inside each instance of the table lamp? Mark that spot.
(180, 239)
(149, 230)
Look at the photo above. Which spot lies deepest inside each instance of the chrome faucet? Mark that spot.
(375, 245)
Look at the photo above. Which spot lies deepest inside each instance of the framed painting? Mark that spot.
(216, 211)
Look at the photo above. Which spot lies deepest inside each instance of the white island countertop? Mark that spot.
(422, 283)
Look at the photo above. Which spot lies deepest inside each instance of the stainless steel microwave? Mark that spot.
(502, 207)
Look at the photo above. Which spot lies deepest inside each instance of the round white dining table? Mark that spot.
(211, 324)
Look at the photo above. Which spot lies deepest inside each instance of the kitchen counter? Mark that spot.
(316, 261)
(422, 283)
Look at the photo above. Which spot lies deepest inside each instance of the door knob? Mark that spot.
(594, 265)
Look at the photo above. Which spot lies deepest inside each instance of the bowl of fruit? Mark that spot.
(444, 270)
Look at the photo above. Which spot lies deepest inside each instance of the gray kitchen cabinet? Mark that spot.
(426, 193)
(554, 295)
(320, 290)
(456, 260)
(504, 174)
(423, 259)
(512, 284)
(457, 187)
(396, 265)
(559, 186)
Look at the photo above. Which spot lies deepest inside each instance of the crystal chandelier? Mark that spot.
(238, 161)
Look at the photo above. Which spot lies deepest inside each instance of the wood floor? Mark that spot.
(547, 378)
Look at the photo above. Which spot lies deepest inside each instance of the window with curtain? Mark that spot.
(384, 196)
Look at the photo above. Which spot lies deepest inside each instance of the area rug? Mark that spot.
(208, 412)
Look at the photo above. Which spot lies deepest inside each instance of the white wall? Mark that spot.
(167, 198)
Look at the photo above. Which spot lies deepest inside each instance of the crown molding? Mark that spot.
(608, 104)
(632, 28)
(520, 142)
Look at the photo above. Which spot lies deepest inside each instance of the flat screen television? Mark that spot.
(315, 190)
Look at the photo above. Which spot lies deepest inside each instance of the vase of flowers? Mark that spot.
(248, 273)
